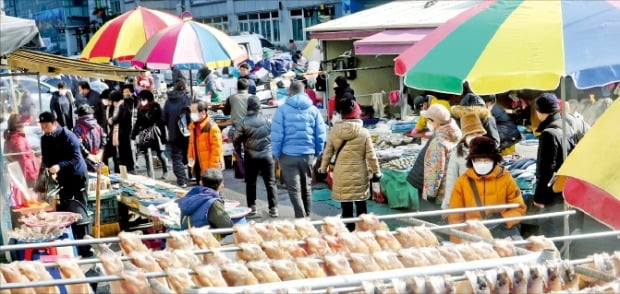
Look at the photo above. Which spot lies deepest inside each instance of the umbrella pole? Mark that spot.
(563, 103)
(191, 86)
(97, 230)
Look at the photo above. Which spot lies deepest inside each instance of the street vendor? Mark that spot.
(424, 102)
(203, 205)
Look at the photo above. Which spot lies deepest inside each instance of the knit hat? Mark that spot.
(438, 113)
(253, 104)
(471, 99)
(46, 117)
(341, 81)
(484, 147)
(470, 124)
(547, 103)
(84, 109)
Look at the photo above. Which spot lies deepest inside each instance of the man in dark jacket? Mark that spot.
(62, 106)
(176, 117)
(237, 107)
(61, 155)
(203, 205)
(550, 158)
(93, 99)
(509, 135)
(254, 133)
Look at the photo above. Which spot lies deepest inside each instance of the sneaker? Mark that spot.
(164, 176)
(273, 212)
(253, 210)
(183, 185)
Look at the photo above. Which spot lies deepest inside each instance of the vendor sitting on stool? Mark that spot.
(203, 205)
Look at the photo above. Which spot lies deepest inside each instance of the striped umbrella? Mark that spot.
(189, 45)
(501, 45)
(121, 37)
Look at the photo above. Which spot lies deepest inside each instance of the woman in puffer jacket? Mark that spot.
(355, 159)
(255, 133)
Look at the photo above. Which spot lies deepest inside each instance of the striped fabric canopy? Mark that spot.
(121, 37)
(189, 45)
(501, 45)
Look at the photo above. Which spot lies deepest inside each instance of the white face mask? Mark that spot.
(483, 167)
(144, 102)
(194, 116)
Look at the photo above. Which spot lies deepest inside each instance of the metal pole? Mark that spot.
(566, 232)
(507, 219)
(230, 230)
(39, 90)
(98, 204)
(574, 237)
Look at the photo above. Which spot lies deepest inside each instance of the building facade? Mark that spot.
(277, 21)
(65, 25)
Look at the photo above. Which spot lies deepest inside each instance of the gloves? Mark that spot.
(376, 177)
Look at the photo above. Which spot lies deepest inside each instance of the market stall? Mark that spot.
(295, 256)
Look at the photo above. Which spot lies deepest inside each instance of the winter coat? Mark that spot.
(124, 120)
(416, 174)
(436, 160)
(95, 102)
(487, 120)
(62, 147)
(149, 117)
(91, 136)
(201, 207)
(550, 157)
(421, 124)
(205, 144)
(506, 127)
(496, 188)
(297, 128)
(457, 165)
(16, 142)
(237, 107)
(255, 134)
(355, 163)
(62, 107)
(177, 104)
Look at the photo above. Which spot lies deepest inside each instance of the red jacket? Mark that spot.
(16, 143)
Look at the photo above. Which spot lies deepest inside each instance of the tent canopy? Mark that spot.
(390, 41)
(17, 32)
(44, 63)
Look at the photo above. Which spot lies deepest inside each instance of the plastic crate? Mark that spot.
(109, 208)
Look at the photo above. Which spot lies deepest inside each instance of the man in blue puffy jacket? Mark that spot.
(203, 205)
(297, 137)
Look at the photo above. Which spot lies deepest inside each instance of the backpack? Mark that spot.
(90, 137)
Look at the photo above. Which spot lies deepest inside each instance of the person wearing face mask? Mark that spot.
(205, 141)
(122, 123)
(62, 106)
(114, 99)
(150, 132)
(445, 136)
(471, 128)
(486, 182)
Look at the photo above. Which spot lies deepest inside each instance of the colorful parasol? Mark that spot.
(189, 45)
(121, 37)
(592, 170)
(518, 44)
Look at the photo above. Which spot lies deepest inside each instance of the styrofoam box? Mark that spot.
(527, 148)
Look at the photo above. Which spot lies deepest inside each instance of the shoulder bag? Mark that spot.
(332, 164)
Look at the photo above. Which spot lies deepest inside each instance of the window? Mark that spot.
(301, 19)
(264, 23)
(220, 23)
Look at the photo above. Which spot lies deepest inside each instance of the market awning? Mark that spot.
(35, 61)
(390, 41)
(16, 32)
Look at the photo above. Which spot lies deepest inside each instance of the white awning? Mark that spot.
(17, 32)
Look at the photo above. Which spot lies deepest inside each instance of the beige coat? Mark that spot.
(356, 162)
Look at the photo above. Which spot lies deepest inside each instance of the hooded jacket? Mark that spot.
(355, 163)
(506, 127)
(457, 165)
(255, 134)
(487, 120)
(550, 157)
(436, 160)
(205, 144)
(498, 187)
(177, 105)
(203, 206)
(297, 128)
(16, 142)
(92, 138)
